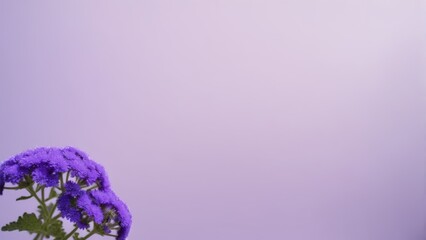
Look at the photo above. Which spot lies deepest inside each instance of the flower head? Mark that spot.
(12, 172)
(68, 209)
(86, 195)
(73, 189)
(93, 211)
(74, 199)
(110, 201)
(46, 164)
(45, 175)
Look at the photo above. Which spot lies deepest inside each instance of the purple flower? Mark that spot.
(73, 189)
(46, 164)
(45, 175)
(76, 203)
(74, 200)
(103, 177)
(68, 209)
(12, 172)
(92, 210)
(57, 160)
(84, 168)
(46, 167)
(109, 200)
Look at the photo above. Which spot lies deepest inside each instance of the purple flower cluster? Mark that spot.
(46, 165)
(75, 202)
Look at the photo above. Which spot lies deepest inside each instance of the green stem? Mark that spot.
(57, 216)
(53, 210)
(89, 235)
(48, 199)
(42, 194)
(62, 183)
(12, 188)
(71, 233)
(44, 210)
(47, 212)
(42, 204)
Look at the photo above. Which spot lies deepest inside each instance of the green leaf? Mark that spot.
(30, 223)
(26, 222)
(56, 230)
(23, 198)
(40, 211)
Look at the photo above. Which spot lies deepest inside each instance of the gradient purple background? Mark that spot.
(229, 119)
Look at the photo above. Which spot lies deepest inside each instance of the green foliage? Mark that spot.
(45, 223)
(32, 224)
(26, 222)
(56, 230)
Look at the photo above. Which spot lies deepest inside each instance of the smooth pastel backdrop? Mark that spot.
(229, 119)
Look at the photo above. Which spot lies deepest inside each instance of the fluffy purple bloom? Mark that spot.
(45, 166)
(12, 172)
(45, 175)
(73, 189)
(92, 210)
(103, 177)
(109, 200)
(57, 160)
(68, 209)
(74, 203)
(84, 168)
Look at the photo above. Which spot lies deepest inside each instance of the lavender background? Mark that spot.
(229, 119)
